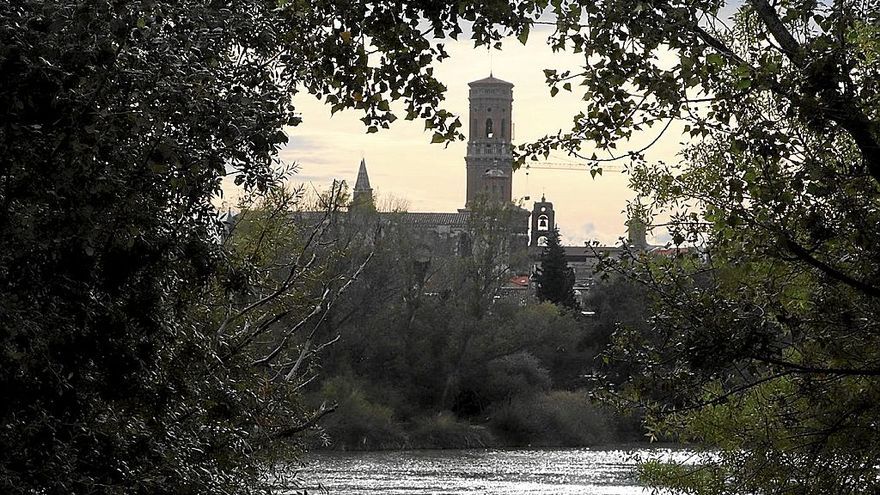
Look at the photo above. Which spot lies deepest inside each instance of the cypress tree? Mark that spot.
(555, 279)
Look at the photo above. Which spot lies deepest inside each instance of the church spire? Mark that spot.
(363, 193)
(363, 180)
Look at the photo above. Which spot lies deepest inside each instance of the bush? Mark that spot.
(445, 431)
(358, 423)
(504, 378)
(554, 419)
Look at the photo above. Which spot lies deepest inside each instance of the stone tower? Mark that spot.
(362, 195)
(637, 225)
(489, 153)
(543, 220)
(636, 233)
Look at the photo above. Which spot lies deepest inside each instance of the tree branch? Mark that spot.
(310, 422)
(776, 27)
(800, 368)
(827, 269)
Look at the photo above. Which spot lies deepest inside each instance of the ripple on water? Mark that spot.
(484, 471)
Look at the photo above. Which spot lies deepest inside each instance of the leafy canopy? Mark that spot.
(137, 353)
(763, 339)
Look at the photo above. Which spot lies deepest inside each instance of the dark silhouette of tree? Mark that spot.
(137, 353)
(555, 279)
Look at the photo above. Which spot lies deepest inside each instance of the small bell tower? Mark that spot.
(543, 221)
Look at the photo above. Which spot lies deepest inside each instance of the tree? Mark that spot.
(120, 119)
(139, 354)
(763, 338)
(555, 279)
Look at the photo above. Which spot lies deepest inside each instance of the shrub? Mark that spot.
(510, 376)
(444, 430)
(559, 418)
(359, 422)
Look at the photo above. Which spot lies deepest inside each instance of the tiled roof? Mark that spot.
(430, 219)
(588, 251)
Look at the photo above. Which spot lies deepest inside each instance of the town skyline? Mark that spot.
(405, 168)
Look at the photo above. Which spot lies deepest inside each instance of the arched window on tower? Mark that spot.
(542, 241)
(543, 223)
(490, 132)
(503, 127)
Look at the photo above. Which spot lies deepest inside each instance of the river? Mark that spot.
(601, 471)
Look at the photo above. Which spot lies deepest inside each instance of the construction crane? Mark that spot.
(576, 166)
(585, 167)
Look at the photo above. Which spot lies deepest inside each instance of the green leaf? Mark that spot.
(715, 59)
(524, 35)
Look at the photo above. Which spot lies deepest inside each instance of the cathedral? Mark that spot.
(489, 165)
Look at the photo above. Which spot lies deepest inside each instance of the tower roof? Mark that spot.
(363, 180)
(490, 81)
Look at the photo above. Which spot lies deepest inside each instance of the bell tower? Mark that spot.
(543, 221)
(489, 152)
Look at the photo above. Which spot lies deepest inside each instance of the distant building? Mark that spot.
(582, 259)
(489, 164)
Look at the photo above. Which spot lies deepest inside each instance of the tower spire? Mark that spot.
(363, 193)
(363, 180)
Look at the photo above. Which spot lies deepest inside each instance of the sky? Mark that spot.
(405, 167)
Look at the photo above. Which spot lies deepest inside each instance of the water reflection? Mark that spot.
(491, 472)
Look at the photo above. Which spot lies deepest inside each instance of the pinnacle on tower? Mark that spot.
(363, 180)
(363, 193)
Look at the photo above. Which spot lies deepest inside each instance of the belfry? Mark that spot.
(489, 151)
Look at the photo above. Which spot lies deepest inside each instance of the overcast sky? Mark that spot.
(404, 165)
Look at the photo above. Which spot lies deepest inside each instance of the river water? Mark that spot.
(604, 471)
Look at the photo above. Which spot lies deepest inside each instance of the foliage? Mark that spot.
(555, 279)
(513, 375)
(552, 419)
(763, 340)
(366, 424)
(138, 354)
(432, 337)
(443, 430)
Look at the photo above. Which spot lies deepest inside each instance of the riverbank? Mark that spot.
(554, 419)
